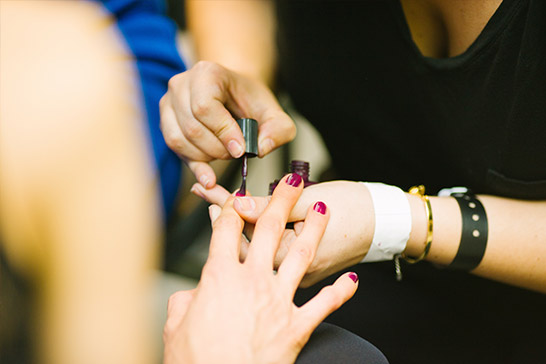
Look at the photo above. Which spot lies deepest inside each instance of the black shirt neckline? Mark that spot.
(490, 32)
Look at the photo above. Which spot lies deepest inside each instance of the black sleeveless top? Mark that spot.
(387, 113)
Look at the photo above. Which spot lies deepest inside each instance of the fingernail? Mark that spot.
(266, 145)
(195, 190)
(353, 276)
(294, 180)
(245, 204)
(204, 180)
(235, 148)
(320, 207)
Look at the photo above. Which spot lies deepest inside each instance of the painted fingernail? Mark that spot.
(320, 207)
(245, 204)
(235, 148)
(204, 180)
(294, 180)
(353, 276)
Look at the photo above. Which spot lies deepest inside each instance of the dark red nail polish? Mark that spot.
(353, 276)
(320, 207)
(294, 180)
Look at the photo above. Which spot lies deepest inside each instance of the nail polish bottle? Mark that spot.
(298, 167)
(249, 127)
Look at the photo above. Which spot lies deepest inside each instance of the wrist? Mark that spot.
(418, 235)
(447, 229)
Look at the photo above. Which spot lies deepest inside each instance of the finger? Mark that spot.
(207, 106)
(214, 213)
(217, 195)
(226, 234)
(178, 304)
(298, 227)
(251, 208)
(203, 139)
(271, 225)
(329, 299)
(175, 139)
(177, 307)
(288, 238)
(302, 251)
(203, 172)
(276, 129)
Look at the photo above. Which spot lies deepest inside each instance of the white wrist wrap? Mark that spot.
(392, 222)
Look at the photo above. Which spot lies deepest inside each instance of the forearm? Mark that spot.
(515, 246)
(239, 35)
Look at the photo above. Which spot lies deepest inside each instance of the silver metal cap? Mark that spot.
(249, 127)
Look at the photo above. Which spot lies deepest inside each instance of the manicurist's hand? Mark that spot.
(347, 237)
(198, 115)
(242, 312)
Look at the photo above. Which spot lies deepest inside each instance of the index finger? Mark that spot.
(207, 106)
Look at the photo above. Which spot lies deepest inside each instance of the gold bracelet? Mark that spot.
(420, 191)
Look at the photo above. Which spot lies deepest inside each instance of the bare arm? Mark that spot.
(516, 247)
(79, 206)
(239, 35)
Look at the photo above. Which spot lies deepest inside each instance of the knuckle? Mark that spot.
(168, 330)
(224, 128)
(206, 66)
(162, 101)
(200, 106)
(306, 254)
(173, 81)
(173, 141)
(192, 131)
(173, 300)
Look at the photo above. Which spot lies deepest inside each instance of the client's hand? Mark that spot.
(197, 121)
(242, 312)
(347, 238)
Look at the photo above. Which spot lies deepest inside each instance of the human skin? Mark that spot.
(350, 231)
(79, 206)
(241, 312)
(440, 28)
(198, 127)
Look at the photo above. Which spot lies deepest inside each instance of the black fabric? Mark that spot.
(332, 344)
(389, 114)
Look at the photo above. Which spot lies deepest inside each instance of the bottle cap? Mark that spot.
(249, 127)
